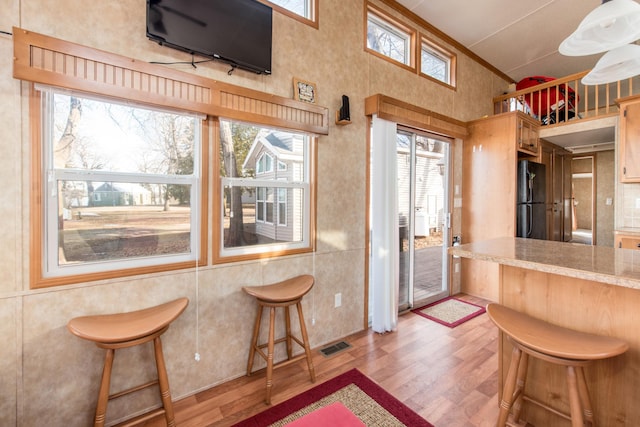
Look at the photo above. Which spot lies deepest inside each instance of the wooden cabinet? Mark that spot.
(625, 241)
(629, 139)
(490, 156)
(528, 136)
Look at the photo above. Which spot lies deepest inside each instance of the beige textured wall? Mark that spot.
(605, 189)
(48, 374)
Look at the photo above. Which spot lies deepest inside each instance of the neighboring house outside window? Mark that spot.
(120, 185)
(279, 216)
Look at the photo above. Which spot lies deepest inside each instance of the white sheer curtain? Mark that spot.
(384, 263)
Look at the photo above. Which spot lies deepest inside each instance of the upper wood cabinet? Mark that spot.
(528, 135)
(629, 139)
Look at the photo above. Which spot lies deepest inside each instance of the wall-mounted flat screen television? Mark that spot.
(235, 31)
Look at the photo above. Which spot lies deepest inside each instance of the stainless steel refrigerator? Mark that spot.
(531, 216)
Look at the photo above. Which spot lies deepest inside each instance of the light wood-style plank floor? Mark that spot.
(448, 376)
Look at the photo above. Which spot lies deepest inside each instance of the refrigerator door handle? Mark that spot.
(529, 220)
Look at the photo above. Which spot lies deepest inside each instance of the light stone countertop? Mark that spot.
(603, 264)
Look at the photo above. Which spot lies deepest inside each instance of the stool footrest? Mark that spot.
(287, 362)
(545, 406)
(133, 389)
(142, 418)
(278, 341)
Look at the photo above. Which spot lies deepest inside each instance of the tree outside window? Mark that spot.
(121, 184)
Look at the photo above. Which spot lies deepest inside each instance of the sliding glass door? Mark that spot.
(423, 217)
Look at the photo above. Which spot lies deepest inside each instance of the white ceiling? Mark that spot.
(518, 37)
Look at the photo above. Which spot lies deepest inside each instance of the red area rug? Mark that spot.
(450, 311)
(364, 398)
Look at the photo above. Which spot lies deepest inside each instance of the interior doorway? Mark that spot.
(423, 217)
(583, 196)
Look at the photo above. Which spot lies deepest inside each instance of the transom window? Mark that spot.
(120, 185)
(265, 208)
(389, 38)
(304, 9)
(436, 62)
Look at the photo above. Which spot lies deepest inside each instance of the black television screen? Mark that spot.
(235, 31)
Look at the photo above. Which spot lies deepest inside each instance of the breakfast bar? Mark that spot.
(591, 289)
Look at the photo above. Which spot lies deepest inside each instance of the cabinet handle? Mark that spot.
(638, 246)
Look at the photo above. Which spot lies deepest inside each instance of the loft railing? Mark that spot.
(564, 100)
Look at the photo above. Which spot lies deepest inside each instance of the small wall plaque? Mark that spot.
(304, 91)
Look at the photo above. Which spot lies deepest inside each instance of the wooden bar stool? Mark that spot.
(554, 344)
(282, 294)
(122, 330)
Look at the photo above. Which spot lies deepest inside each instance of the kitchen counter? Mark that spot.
(587, 288)
(597, 263)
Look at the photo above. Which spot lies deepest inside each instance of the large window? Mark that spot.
(120, 185)
(265, 209)
(388, 38)
(437, 63)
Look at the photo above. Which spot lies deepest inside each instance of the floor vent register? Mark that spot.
(334, 348)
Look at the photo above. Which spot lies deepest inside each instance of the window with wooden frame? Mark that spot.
(120, 186)
(437, 63)
(305, 11)
(388, 38)
(266, 209)
(83, 174)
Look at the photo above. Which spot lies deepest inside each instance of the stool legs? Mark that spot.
(271, 342)
(254, 340)
(103, 395)
(287, 327)
(270, 347)
(513, 392)
(584, 396)
(163, 383)
(509, 387)
(305, 340)
(521, 381)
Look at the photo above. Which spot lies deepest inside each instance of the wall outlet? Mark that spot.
(337, 300)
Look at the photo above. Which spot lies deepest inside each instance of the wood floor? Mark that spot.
(448, 376)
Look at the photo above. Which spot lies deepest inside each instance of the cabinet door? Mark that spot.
(630, 142)
(528, 140)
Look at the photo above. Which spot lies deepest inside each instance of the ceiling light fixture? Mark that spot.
(617, 64)
(613, 24)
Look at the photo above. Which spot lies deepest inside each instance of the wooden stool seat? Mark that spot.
(122, 330)
(554, 344)
(285, 291)
(282, 294)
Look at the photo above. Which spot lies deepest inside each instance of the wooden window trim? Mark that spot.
(453, 60)
(312, 22)
(394, 110)
(370, 8)
(37, 243)
(217, 208)
(42, 59)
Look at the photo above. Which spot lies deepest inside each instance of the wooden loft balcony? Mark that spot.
(566, 100)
